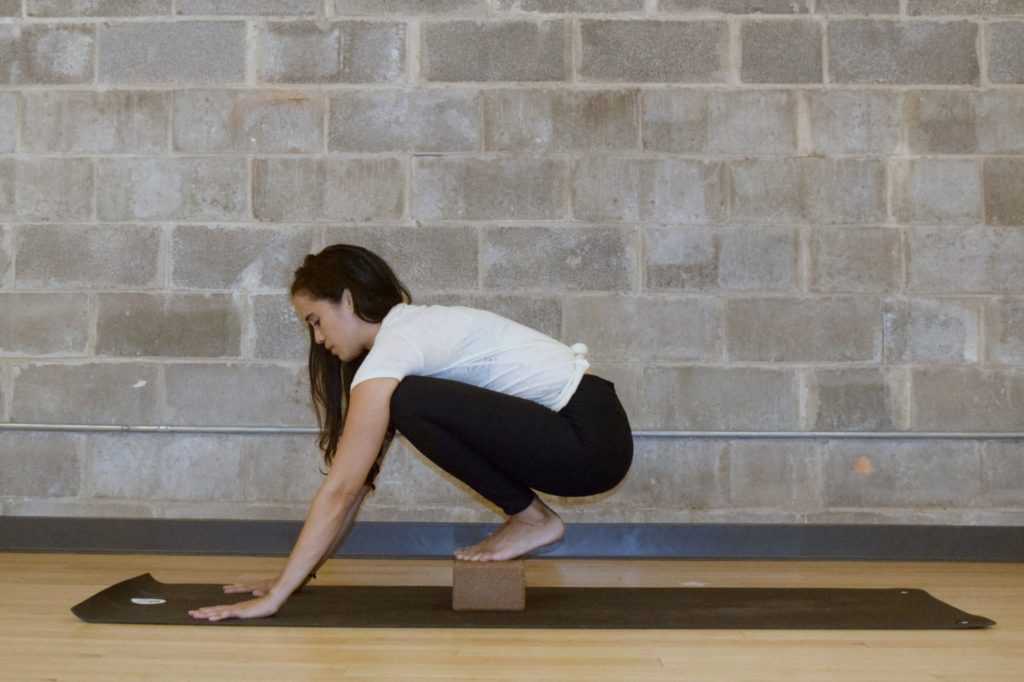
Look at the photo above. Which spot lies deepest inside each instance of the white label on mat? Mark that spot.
(148, 601)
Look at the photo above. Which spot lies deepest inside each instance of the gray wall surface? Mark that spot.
(760, 215)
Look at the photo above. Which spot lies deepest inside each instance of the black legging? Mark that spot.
(502, 446)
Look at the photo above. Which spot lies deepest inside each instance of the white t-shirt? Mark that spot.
(475, 347)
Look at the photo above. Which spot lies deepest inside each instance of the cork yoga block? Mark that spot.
(488, 585)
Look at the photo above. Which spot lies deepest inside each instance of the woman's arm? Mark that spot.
(366, 423)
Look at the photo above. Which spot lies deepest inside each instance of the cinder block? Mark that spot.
(848, 259)
(643, 189)
(937, 191)
(808, 190)
(335, 52)
(683, 258)
(45, 189)
(400, 120)
(248, 7)
(570, 6)
(250, 257)
(50, 54)
(1004, 191)
(181, 187)
(410, 7)
(39, 324)
(97, 8)
(39, 464)
(279, 333)
(280, 470)
(489, 585)
(273, 122)
(8, 121)
(87, 256)
(1004, 325)
(858, 399)
(734, 6)
(975, 260)
(656, 328)
(6, 254)
(961, 122)
(932, 331)
(172, 52)
(835, 329)
(560, 120)
(986, 8)
(169, 325)
(774, 474)
(675, 120)
(943, 121)
(213, 394)
(676, 474)
(96, 122)
(357, 190)
(1002, 472)
(903, 52)
(781, 51)
(908, 474)
(686, 120)
(434, 258)
(1006, 54)
(654, 51)
(475, 51)
(858, 6)
(999, 121)
(521, 188)
(91, 393)
(702, 398)
(10, 8)
(197, 468)
(559, 259)
(966, 399)
(855, 121)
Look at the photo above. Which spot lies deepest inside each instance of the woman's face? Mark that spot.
(335, 325)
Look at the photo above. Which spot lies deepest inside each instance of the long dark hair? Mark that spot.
(375, 291)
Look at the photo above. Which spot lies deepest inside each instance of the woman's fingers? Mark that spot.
(253, 608)
(213, 612)
(257, 588)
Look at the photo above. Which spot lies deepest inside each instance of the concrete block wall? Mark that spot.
(770, 215)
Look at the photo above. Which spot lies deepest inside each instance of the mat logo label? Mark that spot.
(148, 601)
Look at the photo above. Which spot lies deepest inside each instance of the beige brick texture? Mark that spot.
(759, 215)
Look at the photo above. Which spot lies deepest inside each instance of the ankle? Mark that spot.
(536, 513)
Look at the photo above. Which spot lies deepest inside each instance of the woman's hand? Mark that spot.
(267, 605)
(257, 589)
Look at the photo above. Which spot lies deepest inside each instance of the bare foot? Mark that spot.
(534, 527)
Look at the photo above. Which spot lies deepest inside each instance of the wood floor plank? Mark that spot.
(41, 640)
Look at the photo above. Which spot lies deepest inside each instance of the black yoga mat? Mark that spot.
(146, 600)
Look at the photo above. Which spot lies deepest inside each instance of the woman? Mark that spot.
(501, 407)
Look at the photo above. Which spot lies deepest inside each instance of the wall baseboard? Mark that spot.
(597, 540)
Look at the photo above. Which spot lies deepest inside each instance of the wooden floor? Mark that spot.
(41, 640)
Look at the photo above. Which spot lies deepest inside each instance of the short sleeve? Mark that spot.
(393, 356)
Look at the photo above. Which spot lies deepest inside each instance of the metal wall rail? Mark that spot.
(301, 430)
